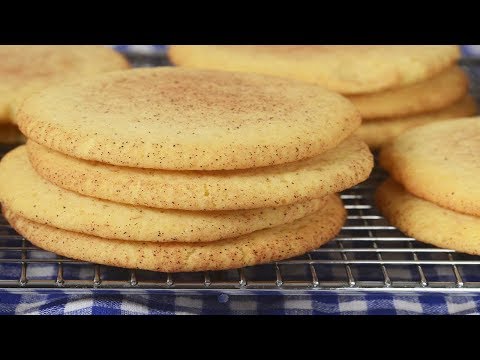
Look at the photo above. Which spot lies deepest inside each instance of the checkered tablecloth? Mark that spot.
(101, 303)
(115, 304)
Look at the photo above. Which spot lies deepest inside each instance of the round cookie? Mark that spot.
(180, 119)
(340, 168)
(24, 192)
(260, 247)
(25, 69)
(430, 95)
(428, 222)
(341, 68)
(378, 132)
(439, 162)
(9, 134)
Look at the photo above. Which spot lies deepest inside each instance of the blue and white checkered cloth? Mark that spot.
(331, 304)
(112, 303)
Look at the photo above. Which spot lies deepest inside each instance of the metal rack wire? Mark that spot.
(368, 255)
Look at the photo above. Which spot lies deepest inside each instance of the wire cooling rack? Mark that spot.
(368, 255)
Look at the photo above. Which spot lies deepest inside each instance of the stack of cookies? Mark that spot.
(434, 195)
(171, 169)
(393, 87)
(26, 69)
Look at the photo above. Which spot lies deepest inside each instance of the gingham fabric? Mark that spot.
(331, 304)
(113, 303)
(471, 50)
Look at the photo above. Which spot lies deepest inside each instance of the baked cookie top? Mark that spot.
(25, 69)
(347, 69)
(182, 119)
(439, 162)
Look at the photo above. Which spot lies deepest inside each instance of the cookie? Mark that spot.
(180, 119)
(433, 94)
(260, 247)
(378, 132)
(340, 168)
(24, 192)
(428, 222)
(25, 69)
(439, 162)
(343, 69)
(9, 134)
